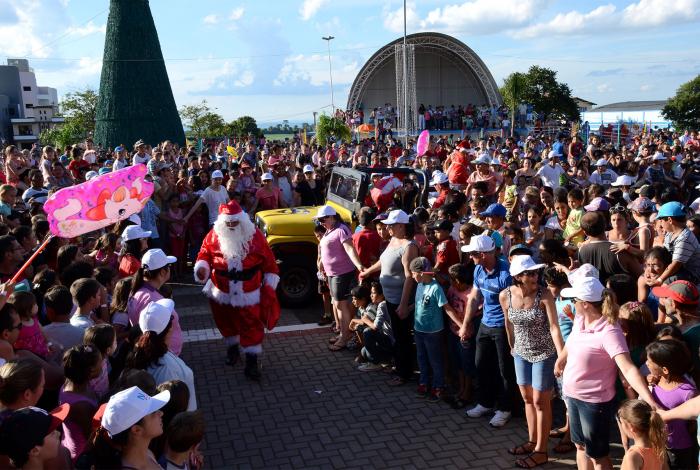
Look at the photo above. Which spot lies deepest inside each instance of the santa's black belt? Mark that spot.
(244, 275)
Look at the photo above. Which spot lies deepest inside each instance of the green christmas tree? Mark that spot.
(135, 101)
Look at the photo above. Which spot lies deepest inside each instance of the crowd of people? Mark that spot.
(544, 266)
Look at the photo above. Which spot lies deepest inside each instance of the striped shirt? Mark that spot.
(685, 249)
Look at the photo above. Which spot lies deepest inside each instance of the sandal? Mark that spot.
(530, 462)
(523, 449)
(333, 339)
(564, 447)
(338, 345)
(557, 433)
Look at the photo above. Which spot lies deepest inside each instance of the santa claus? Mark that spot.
(241, 275)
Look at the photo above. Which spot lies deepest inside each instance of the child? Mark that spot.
(534, 232)
(59, 308)
(669, 360)
(30, 338)
(30, 437)
(461, 354)
(10, 326)
(118, 316)
(557, 222)
(179, 401)
(80, 365)
(176, 233)
(446, 254)
(508, 195)
(8, 196)
(365, 310)
(103, 338)
(107, 277)
(655, 262)
(105, 251)
(428, 325)
(88, 294)
(573, 233)
(378, 336)
(183, 436)
(645, 425)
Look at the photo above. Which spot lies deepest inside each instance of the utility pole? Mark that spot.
(315, 113)
(405, 82)
(330, 69)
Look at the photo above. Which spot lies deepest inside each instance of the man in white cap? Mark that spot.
(551, 170)
(213, 196)
(602, 175)
(491, 276)
(241, 276)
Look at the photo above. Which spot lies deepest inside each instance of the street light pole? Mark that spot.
(405, 81)
(330, 69)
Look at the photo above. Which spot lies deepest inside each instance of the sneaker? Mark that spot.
(352, 345)
(478, 411)
(422, 391)
(436, 395)
(500, 419)
(369, 367)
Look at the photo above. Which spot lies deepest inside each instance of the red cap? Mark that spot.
(230, 208)
(682, 292)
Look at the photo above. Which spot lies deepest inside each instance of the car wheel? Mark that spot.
(298, 282)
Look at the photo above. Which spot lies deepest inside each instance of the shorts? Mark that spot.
(539, 375)
(590, 425)
(340, 286)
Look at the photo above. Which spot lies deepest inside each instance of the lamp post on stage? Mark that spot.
(330, 69)
(405, 84)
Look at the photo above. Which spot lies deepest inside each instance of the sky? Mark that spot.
(266, 58)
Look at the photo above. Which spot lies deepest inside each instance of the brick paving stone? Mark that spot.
(313, 410)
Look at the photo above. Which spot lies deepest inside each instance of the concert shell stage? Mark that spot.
(447, 72)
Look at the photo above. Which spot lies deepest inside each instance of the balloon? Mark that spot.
(99, 202)
(423, 142)
(232, 151)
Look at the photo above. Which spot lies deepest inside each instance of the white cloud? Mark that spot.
(645, 88)
(310, 7)
(570, 23)
(393, 20)
(245, 79)
(86, 30)
(483, 15)
(214, 18)
(660, 12)
(210, 19)
(24, 34)
(604, 88)
(236, 14)
(89, 66)
(313, 69)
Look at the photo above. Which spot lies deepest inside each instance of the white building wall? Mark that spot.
(29, 93)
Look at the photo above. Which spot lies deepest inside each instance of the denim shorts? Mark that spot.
(590, 425)
(340, 286)
(539, 375)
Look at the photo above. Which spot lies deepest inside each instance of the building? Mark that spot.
(635, 114)
(26, 109)
(583, 105)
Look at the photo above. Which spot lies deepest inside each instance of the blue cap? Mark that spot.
(104, 170)
(494, 210)
(497, 238)
(63, 159)
(118, 148)
(109, 162)
(671, 209)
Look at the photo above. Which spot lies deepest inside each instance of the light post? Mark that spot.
(330, 69)
(405, 80)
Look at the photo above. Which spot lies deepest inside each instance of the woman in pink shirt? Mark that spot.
(594, 351)
(339, 260)
(153, 273)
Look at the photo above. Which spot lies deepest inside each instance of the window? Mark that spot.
(28, 105)
(27, 88)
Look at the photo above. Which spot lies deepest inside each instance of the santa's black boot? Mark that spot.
(251, 366)
(233, 354)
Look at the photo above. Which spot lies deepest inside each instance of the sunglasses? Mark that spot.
(618, 209)
(322, 219)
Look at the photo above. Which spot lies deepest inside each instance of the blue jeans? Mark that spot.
(378, 346)
(590, 425)
(461, 353)
(429, 348)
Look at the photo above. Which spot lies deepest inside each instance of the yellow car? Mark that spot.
(290, 232)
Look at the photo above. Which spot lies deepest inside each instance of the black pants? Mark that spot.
(404, 347)
(495, 388)
(378, 347)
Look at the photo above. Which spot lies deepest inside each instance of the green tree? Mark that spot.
(548, 97)
(245, 126)
(79, 110)
(684, 108)
(330, 127)
(513, 90)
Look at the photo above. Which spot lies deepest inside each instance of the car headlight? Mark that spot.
(261, 225)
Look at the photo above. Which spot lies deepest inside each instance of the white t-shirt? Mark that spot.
(605, 179)
(550, 175)
(171, 367)
(213, 199)
(139, 159)
(81, 321)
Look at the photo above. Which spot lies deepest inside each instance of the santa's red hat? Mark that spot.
(230, 208)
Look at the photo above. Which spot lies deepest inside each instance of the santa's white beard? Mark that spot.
(234, 243)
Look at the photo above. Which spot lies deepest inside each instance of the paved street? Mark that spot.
(313, 410)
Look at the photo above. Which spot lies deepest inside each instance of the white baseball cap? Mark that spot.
(583, 271)
(481, 243)
(553, 154)
(396, 217)
(439, 178)
(623, 180)
(589, 289)
(134, 232)
(266, 177)
(601, 162)
(156, 259)
(521, 263)
(217, 174)
(135, 219)
(658, 156)
(156, 316)
(90, 175)
(324, 211)
(130, 406)
(482, 159)
(308, 169)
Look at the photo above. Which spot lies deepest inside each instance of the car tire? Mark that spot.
(298, 282)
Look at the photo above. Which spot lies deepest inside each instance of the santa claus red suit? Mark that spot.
(240, 275)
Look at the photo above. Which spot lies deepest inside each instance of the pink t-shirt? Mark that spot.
(458, 301)
(590, 370)
(333, 256)
(140, 301)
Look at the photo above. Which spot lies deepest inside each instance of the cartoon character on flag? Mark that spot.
(383, 190)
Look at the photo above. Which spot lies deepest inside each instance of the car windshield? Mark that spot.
(344, 186)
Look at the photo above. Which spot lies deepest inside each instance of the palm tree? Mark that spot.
(512, 91)
(328, 127)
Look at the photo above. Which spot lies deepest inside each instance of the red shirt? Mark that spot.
(367, 244)
(128, 266)
(76, 165)
(447, 254)
(440, 200)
